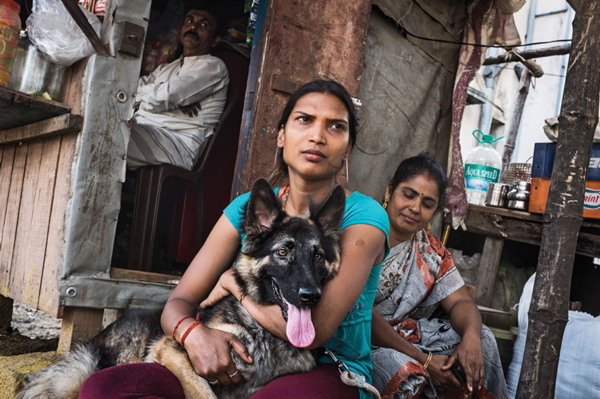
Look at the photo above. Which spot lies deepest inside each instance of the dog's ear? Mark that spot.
(262, 209)
(331, 214)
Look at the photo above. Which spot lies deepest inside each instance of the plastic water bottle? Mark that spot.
(482, 167)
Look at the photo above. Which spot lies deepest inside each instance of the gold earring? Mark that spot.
(429, 226)
(385, 201)
(347, 175)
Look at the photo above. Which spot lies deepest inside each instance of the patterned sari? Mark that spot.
(416, 276)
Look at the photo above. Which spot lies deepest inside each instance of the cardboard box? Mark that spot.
(540, 187)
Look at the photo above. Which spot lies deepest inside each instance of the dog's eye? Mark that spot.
(318, 256)
(282, 252)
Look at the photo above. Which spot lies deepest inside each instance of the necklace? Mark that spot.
(285, 197)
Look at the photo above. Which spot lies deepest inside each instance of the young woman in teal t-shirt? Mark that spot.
(316, 133)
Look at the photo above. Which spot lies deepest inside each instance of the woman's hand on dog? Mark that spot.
(209, 351)
(225, 286)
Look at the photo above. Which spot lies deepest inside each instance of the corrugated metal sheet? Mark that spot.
(406, 88)
(98, 172)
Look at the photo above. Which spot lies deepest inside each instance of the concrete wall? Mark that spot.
(545, 94)
(406, 89)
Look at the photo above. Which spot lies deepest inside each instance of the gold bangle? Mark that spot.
(241, 298)
(427, 361)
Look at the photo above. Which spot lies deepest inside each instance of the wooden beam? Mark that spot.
(50, 127)
(515, 121)
(528, 54)
(85, 26)
(548, 313)
(124, 274)
(525, 227)
(511, 213)
(498, 226)
(485, 309)
(78, 324)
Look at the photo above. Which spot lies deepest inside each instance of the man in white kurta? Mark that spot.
(180, 103)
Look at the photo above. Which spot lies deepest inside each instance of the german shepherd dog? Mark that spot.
(285, 261)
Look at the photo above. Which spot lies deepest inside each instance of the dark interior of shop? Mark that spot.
(177, 239)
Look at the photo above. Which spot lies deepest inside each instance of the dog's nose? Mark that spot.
(309, 295)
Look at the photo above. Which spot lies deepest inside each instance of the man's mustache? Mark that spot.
(192, 33)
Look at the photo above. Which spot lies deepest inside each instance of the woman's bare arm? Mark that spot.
(216, 255)
(208, 349)
(464, 315)
(466, 320)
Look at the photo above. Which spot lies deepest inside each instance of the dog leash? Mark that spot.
(352, 379)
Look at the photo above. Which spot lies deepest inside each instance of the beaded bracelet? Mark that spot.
(178, 323)
(185, 334)
(241, 298)
(427, 361)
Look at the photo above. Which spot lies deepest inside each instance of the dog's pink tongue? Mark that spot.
(300, 330)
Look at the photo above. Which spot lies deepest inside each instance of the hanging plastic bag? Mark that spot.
(468, 266)
(55, 33)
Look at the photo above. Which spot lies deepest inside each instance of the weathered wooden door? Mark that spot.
(298, 41)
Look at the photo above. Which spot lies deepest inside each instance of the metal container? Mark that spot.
(517, 172)
(518, 196)
(496, 194)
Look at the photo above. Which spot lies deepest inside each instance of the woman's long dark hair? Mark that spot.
(422, 164)
(280, 168)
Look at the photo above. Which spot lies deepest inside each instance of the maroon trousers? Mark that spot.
(135, 380)
(151, 380)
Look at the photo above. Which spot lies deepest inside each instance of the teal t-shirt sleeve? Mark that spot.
(235, 211)
(361, 209)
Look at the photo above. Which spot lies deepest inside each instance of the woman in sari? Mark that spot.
(415, 355)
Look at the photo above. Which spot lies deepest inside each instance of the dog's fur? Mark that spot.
(289, 257)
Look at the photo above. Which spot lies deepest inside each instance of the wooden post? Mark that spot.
(515, 122)
(488, 268)
(78, 324)
(548, 313)
(6, 308)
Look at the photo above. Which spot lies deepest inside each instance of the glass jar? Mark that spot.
(10, 25)
(33, 73)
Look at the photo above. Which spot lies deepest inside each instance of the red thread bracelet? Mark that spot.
(185, 334)
(178, 323)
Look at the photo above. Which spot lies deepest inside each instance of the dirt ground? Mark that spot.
(32, 331)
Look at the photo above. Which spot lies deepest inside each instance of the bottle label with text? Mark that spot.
(479, 176)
